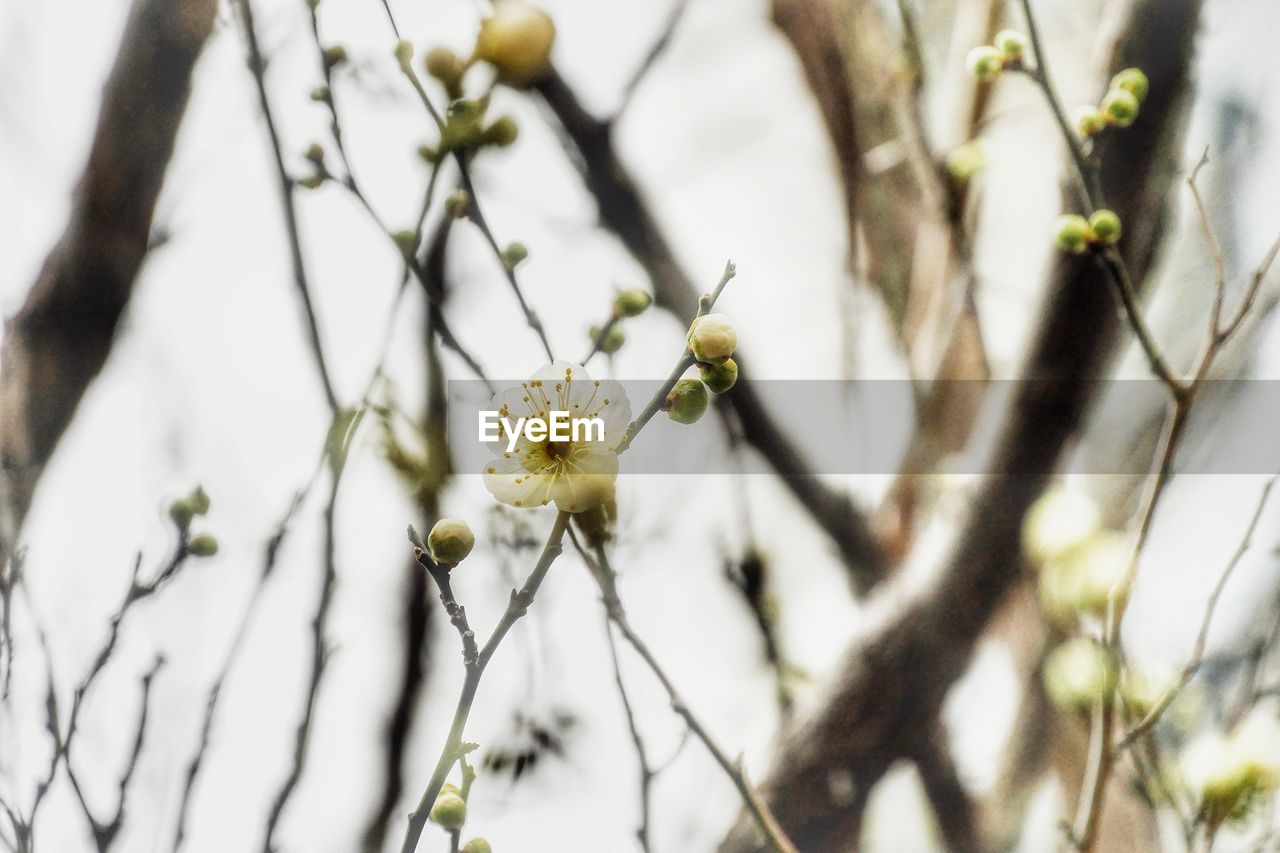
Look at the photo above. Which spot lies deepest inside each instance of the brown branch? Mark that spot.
(623, 210)
(59, 340)
(897, 677)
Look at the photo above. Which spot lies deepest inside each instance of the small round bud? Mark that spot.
(182, 512)
(1085, 579)
(458, 204)
(719, 378)
(315, 153)
(965, 161)
(631, 303)
(1105, 225)
(612, 341)
(1078, 673)
(1011, 43)
(517, 41)
(320, 94)
(1090, 121)
(502, 132)
(311, 4)
(687, 401)
(985, 63)
(514, 253)
(1072, 233)
(334, 56)
(404, 52)
(1060, 522)
(1120, 107)
(202, 545)
(1134, 81)
(406, 241)
(444, 65)
(477, 845)
(428, 154)
(1141, 690)
(450, 541)
(712, 338)
(199, 501)
(312, 182)
(449, 811)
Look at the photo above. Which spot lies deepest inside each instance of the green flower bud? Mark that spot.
(1120, 107)
(719, 378)
(712, 338)
(181, 511)
(449, 811)
(613, 339)
(311, 4)
(514, 253)
(596, 523)
(502, 132)
(517, 41)
(687, 401)
(1134, 81)
(477, 845)
(428, 155)
(199, 501)
(631, 303)
(450, 541)
(458, 204)
(444, 65)
(1072, 233)
(312, 182)
(966, 161)
(202, 545)
(1060, 522)
(1090, 121)
(1105, 225)
(404, 52)
(985, 63)
(406, 241)
(315, 153)
(320, 94)
(1011, 43)
(334, 56)
(1078, 673)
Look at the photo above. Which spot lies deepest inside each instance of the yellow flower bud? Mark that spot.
(1011, 44)
(449, 812)
(1090, 121)
(450, 541)
(444, 65)
(477, 845)
(712, 338)
(517, 41)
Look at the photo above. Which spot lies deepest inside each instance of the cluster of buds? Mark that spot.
(183, 511)
(1231, 774)
(467, 129)
(1120, 106)
(1075, 234)
(712, 341)
(1082, 565)
(626, 304)
(986, 62)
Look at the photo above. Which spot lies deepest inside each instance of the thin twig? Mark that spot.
(258, 66)
(605, 578)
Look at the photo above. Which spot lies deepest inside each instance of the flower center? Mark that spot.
(556, 450)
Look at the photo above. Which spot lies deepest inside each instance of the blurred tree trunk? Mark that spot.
(898, 675)
(59, 340)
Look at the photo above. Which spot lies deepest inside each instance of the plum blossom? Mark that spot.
(576, 474)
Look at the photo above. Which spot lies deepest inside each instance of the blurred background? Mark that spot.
(863, 253)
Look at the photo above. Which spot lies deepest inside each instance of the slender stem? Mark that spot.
(606, 579)
(517, 607)
(257, 66)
